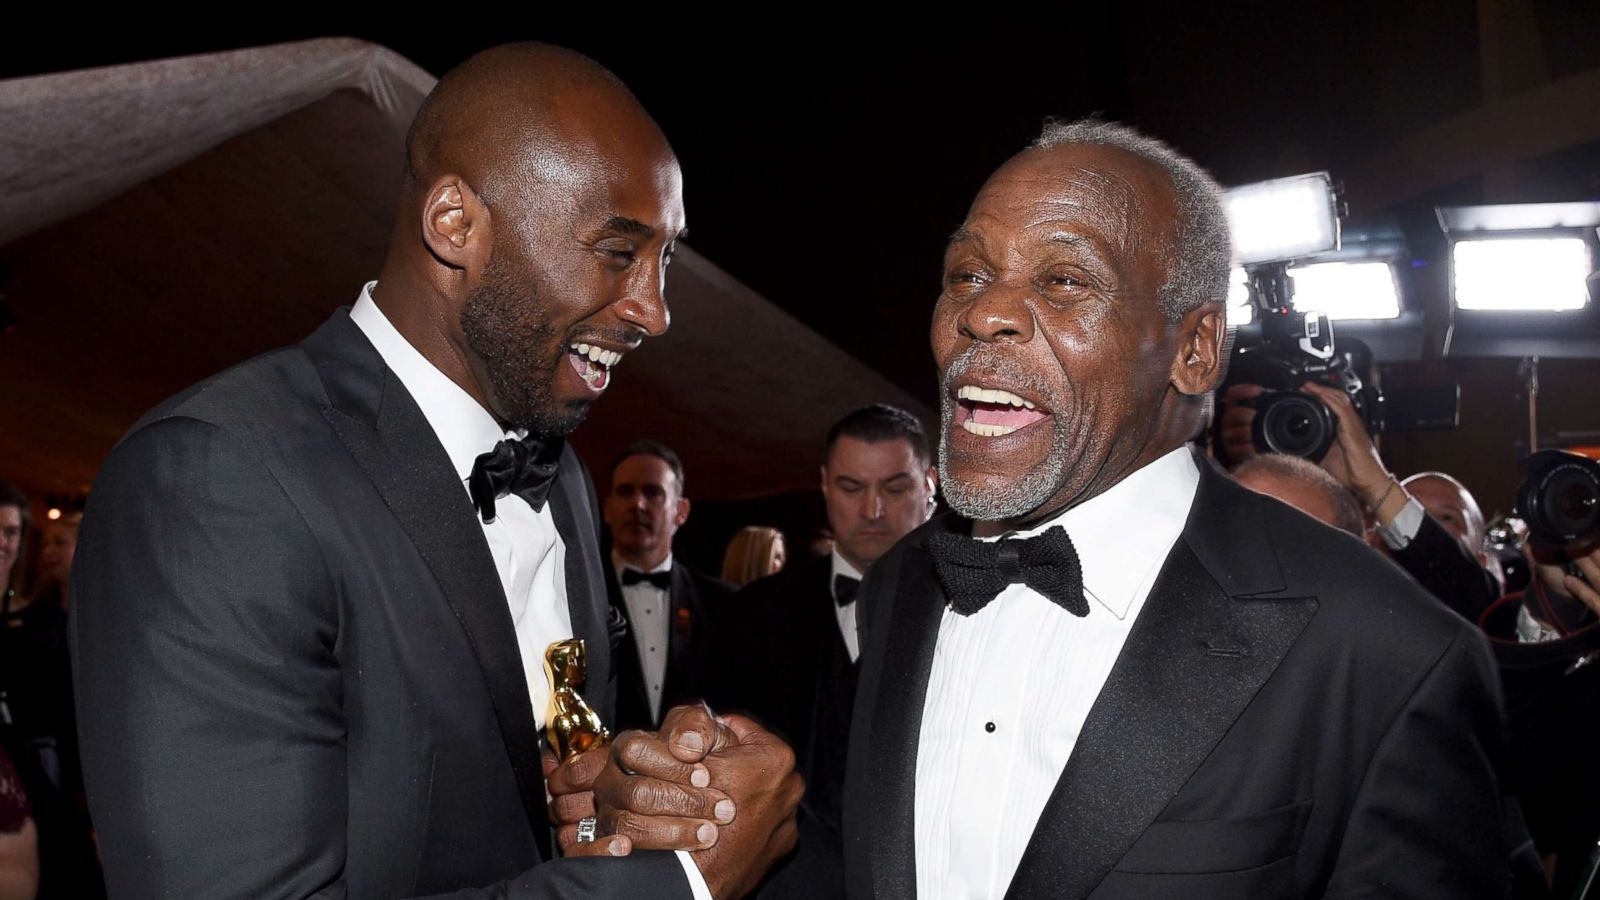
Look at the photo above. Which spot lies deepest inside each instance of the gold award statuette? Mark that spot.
(570, 724)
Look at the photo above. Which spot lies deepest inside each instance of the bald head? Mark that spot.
(1305, 486)
(540, 208)
(1451, 505)
(517, 114)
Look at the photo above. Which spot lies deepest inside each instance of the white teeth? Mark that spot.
(604, 357)
(984, 395)
(987, 430)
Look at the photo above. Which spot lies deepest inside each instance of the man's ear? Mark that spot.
(1202, 357)
(681, 514)
(456, 224)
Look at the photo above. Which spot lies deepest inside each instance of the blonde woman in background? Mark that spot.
(755, 552)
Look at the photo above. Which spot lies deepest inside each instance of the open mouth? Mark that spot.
(593, 364)
(989, 412)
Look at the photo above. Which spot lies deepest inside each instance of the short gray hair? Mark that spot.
(1197, 267)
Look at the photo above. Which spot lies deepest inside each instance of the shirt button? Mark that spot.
(989, 727)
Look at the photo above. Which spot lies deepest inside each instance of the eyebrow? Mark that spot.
(629, 226)
(1062, 237)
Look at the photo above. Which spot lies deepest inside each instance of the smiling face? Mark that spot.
(1057, 364)
(574, 283)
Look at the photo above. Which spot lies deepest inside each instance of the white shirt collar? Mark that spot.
(618, 563)
(842, 566)
(1123, 534)
(463, 426)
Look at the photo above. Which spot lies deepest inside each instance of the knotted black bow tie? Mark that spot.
(662, 580)
(844, 589)
(975, 572)
(525, 467)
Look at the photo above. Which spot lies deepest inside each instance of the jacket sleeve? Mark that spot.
(1427, 819)
(205, 625)
(1447, 571)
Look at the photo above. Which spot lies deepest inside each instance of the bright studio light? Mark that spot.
(53, 514)
(1347, 290)
(1240, 310)
(1286, 218)
(1529, 274)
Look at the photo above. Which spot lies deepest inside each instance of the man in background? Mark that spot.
(788, 645)
(665, 603)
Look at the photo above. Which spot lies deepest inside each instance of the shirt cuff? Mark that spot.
(1407, 522)
(697, 882)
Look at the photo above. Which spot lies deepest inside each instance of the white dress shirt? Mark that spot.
(650, 620)
(527, 549)
(1012, 684)
(845, 614)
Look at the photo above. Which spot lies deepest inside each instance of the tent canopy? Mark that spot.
(166, 220)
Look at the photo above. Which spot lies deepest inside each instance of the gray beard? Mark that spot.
(1013, 500)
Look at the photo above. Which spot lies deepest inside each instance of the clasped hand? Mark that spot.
(723, 788)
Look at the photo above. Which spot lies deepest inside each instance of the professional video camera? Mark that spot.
(1287, 348)
(1560, 498)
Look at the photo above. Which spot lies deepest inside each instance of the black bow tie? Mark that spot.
(844, 589)
(975, 572)
(631, 577)
(525, 467)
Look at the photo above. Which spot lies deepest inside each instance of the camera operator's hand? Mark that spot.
(1353, 459)
(1238, 418)
(1585, 556)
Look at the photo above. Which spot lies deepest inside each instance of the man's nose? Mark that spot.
(999, 314)
(872, 506)
(645, 303)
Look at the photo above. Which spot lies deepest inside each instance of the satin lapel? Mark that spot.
(1195, 659)
(896, 722)
(572, 506)
(386, 433)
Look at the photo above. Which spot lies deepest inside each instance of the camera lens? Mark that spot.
(1560, 499)
(1293, 424)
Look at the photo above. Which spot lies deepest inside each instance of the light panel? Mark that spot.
(1283, 219)
(1240, 310)
(1347, 290)
(1527, 274)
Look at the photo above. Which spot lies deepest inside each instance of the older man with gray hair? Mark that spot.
(1114, 672)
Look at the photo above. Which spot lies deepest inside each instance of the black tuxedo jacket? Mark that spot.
(692, 597)
(1291, 717)
(297, 671)
(779, 656)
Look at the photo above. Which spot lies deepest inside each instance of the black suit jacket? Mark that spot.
(1291, 717)
(779, 656)
(692, 597)
(297, 671)
(1447, 571)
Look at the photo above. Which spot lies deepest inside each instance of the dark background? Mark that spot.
(827, 158)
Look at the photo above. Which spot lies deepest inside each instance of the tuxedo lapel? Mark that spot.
(387, 434)
(1195, 658)
(895, 717)
(572, 508)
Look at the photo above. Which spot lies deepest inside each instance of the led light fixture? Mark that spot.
(1283, 219)
(1241, 310)
(1346, 290)
(1531, 274)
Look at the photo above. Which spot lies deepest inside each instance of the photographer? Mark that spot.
(1548, 649)
(1445, 563)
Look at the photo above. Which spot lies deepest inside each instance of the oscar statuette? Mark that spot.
(570, 724)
